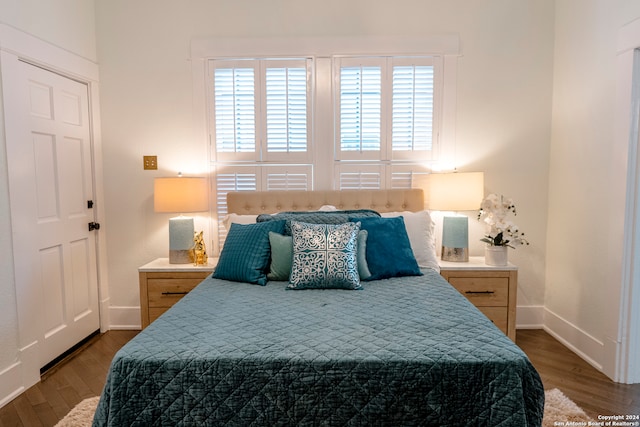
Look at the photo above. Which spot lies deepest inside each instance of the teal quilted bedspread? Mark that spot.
(406, 351)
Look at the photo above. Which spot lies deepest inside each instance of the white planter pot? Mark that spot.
(496, 255)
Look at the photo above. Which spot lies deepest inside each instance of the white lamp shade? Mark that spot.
(180, 195)
(458, 191)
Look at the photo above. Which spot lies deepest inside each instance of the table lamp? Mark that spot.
(180, 195)
(451, 192)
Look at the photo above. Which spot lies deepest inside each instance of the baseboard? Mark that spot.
(20, 375)
(577, 340)
(11, 383)
(105, 315)
(124, 318)
(530, 317)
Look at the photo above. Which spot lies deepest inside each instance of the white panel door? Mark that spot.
(51, 212)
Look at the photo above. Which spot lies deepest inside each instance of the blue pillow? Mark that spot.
(324, 256)
(246, 252)
(388, 251)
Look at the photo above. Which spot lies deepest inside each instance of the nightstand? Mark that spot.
(163, 284)
(490, 288)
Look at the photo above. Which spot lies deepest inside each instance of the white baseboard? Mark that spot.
(10, 383)
(530, 317)
(105, 315)
(124, 318)
(577, 340)
(20, 375)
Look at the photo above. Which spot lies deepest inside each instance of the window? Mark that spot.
(366, 176)
(286, 112)
(235, 110)
(387, 108)
(260, 110)
(286, 121)
(412, 108)
(360, 113)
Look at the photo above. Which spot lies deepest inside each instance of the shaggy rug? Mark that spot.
(557, 408)
(81, 415)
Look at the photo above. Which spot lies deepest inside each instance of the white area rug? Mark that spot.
(81, 415)
(557, 408)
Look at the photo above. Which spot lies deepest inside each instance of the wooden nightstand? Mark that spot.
(492, 289)
(163, 284)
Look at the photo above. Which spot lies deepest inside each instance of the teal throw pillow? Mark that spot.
(246, 252)
(363, 267)
(281, 256)
(324, 256)
(388, 251)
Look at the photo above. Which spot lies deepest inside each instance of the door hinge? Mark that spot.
(94, 226)
(89, 204)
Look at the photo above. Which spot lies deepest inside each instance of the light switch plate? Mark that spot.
(150, 162)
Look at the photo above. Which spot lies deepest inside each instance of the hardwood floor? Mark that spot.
(83, 374)
(560, 368)
(80, 376)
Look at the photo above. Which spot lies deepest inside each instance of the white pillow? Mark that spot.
(327, 208)
(420, 228)
(238, 219)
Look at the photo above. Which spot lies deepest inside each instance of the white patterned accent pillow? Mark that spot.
(324, 256)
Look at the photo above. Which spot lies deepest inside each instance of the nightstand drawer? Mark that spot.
(498, 315)
(163, 284)
(483, 291)
(490, 288)
(166, 292)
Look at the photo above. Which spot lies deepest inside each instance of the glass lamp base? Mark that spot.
(455, 254)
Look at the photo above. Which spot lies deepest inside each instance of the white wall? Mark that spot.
(503, 118)
(588, 176)
(70, 25)
(8, 311)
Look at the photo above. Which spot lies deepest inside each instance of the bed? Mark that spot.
(391, 351)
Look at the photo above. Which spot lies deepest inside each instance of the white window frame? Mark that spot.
(386, 65)
(261, 152)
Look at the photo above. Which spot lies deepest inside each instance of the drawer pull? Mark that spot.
(175, 293)
(480, 292)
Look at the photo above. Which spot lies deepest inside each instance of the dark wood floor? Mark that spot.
(64, 386)
(83, 375)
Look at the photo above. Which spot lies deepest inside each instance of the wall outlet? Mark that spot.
(150, 162)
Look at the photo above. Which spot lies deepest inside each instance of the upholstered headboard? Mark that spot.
(259, 202)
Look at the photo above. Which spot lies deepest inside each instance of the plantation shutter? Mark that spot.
(231, 179)
(359, 176)
(360, 108)
(235, 109)
(408, 176)
(412, 108)
(288, 178)
(286, 109)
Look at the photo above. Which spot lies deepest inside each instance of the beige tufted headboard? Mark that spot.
(259, 202)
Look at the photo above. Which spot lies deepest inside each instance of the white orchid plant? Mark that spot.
(500, 231)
